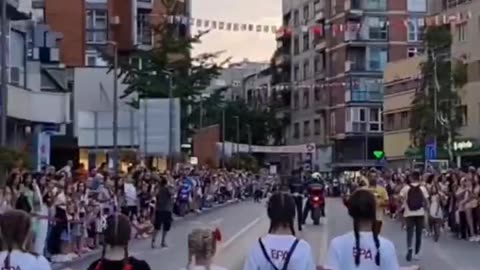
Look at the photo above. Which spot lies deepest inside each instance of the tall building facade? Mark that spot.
(336, 76)
(87, 24)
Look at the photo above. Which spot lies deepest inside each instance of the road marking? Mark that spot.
(240, 233)
(323, 243)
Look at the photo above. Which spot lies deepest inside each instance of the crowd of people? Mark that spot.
(69, 207)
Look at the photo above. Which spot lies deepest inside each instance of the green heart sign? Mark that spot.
(379, 154)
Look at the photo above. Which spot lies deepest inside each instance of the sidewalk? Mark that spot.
(96, 252)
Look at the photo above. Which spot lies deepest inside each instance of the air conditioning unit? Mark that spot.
(15, 75)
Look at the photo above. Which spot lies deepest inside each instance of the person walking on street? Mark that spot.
(415, 200)
(163, 212)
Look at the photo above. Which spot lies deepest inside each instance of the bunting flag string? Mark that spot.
(300, 86)
(318, 29)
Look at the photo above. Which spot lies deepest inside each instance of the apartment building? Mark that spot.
(364, 36)
(401, 81)
(87, 24)
(257, 88)
(466, 38)
(299, 67)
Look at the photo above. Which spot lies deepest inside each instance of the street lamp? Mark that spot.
(115, 105)
(4, 77)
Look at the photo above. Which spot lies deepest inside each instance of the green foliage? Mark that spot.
(170, 58)
(244, 162)
(11, 158)
(443, 76)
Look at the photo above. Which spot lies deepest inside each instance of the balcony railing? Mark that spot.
(363, 96)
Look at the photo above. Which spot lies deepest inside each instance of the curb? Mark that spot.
(65, 265)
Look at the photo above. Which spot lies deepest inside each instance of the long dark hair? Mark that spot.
(116, 234)
(15, 227)
(281, 211)
(362, 207)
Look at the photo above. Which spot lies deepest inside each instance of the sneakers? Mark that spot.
(410, 256)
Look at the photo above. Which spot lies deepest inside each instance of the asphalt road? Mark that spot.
(243, 223)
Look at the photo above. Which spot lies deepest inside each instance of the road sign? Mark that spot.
(379, 154)
(431, 150)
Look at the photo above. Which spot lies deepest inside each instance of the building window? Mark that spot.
(316, 127)
(306, 69)
(390, 125)
(91, 60)
(296, 73)
(306, 98)
(306, 129)
(377, 4)
(332, 122)
(318, 64)
(462, 32)
(296, 45)
(96, 27)
(414, 51)
(378, 58)
(415, 30)
(306, 12)
(377, 28)
(296, 130)
(317, 94)
(404, 120)
(318, 5)
(144, 28)
(296, 100)
(375, 120)
(296, 18)
(417, 5)
(306, 43)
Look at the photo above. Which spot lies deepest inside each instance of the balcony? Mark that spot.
(283, 34)
(13, 12)
(363, 96)
(353, 8)
(319, 16)
(38, 106)
(320, 46)
(145, 4)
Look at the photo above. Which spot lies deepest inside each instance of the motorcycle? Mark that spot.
(317, 202)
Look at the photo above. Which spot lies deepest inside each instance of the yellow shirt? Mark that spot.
(382, 198)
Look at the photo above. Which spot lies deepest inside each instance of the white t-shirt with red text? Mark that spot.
(277, 247)
(342, 251)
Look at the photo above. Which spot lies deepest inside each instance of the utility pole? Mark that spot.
(115, 107)
(170, 117)
(237, 118)
(4, 77)
(200, 122)
(223, 137)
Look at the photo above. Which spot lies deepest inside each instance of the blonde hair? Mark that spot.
(202, 244)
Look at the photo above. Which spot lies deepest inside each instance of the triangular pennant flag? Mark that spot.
(214, 25)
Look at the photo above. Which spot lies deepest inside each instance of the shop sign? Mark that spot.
(463, 145)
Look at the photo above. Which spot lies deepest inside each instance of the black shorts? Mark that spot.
(163, 220)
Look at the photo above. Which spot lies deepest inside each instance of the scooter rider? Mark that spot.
(316, 181)
(297, 187)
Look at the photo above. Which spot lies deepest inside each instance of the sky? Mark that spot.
(238, 45)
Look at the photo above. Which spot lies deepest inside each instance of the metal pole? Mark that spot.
(115, 108)
(4, 78)
(238, 141)
(249, 131)
(145, 127)
(201, 113)
(170, 118)
(223, 137)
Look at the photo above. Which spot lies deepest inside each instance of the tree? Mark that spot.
(170, 56)
(436, 106)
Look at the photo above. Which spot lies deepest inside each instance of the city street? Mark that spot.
(243, 223)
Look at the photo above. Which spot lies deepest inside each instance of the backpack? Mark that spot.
(415, 198)
(287, 259)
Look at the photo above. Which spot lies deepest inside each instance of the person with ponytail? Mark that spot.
(280, 249)
(362, 248)
(202, 246)
(17, 235)
(115, 247)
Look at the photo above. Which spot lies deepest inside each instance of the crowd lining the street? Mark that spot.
(69, 207)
